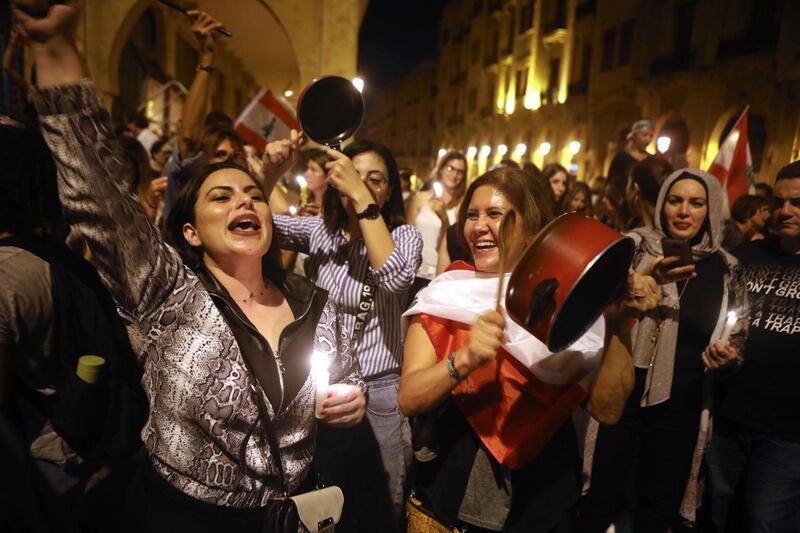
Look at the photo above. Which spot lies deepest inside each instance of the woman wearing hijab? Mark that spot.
(659, 442)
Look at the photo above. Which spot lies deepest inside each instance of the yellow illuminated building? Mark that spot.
(567, 78)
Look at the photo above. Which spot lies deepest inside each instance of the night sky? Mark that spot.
(396, 35)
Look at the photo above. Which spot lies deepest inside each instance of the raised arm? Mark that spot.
(414, 208)
(195, 107)
(443, 260)
(139, 270)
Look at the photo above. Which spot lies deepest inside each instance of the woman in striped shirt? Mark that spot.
(367, 258)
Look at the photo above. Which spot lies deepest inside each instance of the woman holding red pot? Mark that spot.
(502, 454)
(659, 442)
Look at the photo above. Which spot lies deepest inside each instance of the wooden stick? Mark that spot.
(183, 10)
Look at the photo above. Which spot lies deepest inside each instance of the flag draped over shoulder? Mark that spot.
(265, 119)
(733, 165)
(517, 402)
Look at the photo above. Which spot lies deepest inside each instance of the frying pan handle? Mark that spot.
(541, 296)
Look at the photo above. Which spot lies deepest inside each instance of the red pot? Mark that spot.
(566, 278)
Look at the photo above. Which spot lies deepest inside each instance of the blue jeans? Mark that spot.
(767, 472)
(393, 432)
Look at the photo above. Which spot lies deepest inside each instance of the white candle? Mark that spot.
(319, 371)
(726, 331)
(303, 183)
(438, 190)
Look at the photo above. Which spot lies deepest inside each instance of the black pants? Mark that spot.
(155, 506)
(646, 469)
(351, 459)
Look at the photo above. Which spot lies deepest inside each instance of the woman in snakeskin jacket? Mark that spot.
(224, 336)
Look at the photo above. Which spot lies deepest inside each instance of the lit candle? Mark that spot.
(292, 210)
(301, 180)
(726, 331)
(319, 371)
(438, 190)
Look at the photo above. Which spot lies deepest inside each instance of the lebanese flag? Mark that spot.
(733, 165)
(519, 400)
(265, 119)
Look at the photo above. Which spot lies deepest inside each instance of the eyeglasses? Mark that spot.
(376, 183)
(452, 169)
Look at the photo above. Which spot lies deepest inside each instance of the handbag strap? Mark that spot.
(365, 303)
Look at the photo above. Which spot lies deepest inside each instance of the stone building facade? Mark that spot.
(562, 81)
(142, 54)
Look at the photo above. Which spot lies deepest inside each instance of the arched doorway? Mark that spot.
(140, 71)
(151, 56)
(672, 139)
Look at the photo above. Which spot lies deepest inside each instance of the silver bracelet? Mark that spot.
(451, 367)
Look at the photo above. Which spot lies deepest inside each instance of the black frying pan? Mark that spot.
(330, 110)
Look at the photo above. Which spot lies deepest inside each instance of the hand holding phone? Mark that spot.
(677, 248)
(677, 263)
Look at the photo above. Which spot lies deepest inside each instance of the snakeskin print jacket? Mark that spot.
(204, 420)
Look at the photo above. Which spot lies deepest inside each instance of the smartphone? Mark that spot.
(677, 247)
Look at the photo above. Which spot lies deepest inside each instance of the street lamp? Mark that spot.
(662, 143)
(574, 147)
(358, 83)
(502, 150)
(544, 148)
(471, 151)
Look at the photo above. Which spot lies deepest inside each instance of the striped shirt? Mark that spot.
(342, 268)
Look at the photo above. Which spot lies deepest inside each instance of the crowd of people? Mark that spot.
(251, 351)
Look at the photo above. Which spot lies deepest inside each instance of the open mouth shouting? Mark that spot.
(246, 225)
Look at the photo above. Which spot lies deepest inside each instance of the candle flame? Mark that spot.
(732, 317)
(319, 361)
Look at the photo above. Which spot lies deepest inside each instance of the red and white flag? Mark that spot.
(733, 165)
(265, 119)
(522, 397)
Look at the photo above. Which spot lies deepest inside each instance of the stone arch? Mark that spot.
(611, 120)
(261, 44)
(140, 56)
(136, 10)
(672, 124)
(712, 142)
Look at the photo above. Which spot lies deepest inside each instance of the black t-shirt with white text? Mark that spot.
(764, 394)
